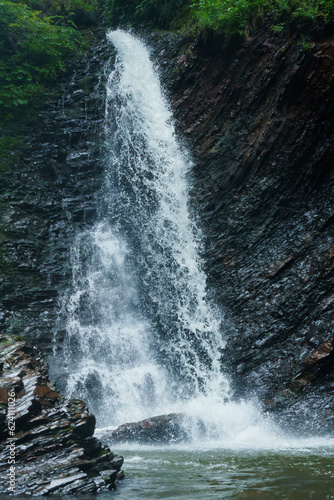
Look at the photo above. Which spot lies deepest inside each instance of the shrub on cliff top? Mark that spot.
(155, 13)
(232, 16)
(229, 15)
(75, 10)
(33, 50)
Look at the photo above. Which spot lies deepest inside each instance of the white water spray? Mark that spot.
(150, 169)
(141, 337)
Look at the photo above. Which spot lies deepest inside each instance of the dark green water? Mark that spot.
(172, 473)
(295, 474)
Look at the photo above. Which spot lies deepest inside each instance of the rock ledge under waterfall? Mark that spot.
(53, 445)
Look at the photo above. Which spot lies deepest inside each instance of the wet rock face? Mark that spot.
(49, 437)
(162, 429)
(260, 118)
(49, 192)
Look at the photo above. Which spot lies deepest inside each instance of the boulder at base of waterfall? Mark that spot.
(46, 441)
(162, 429)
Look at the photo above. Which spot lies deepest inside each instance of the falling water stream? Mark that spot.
(142, 338)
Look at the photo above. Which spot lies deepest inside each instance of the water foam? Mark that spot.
(146, 156)
(142, 338)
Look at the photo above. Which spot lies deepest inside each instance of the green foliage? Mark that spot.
(33, 51)
(157, 13)
(234, 16)
(305, 45)
(231, 16)
(53, 7)
(128, 11)
(65, 10)
(145, 7)
(278, 28)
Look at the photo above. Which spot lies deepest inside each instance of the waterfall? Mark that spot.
(149, 170)
(141, 337)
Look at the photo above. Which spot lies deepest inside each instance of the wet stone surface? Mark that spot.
(161, 429)
(258, 116)
(48, 193)
(55, 451)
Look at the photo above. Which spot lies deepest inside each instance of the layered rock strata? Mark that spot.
(46, 441)
(49, 187)
(259, 117)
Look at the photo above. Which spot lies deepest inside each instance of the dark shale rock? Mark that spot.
(161, 429)
(48, 193)
(308, 391)
(259, 115)
(319, 361)
(54, 450)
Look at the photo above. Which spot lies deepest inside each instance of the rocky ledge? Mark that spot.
(46, 441)
(162, 429)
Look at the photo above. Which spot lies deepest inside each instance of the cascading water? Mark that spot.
(141, 337)
(149, 169)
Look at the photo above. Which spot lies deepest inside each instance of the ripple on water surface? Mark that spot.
(172, 473)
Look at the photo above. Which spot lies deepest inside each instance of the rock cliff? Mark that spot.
(259, 117)
(49, 439)
(48, 192)
(48, 187)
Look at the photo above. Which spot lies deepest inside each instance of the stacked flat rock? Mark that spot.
(53, 445)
